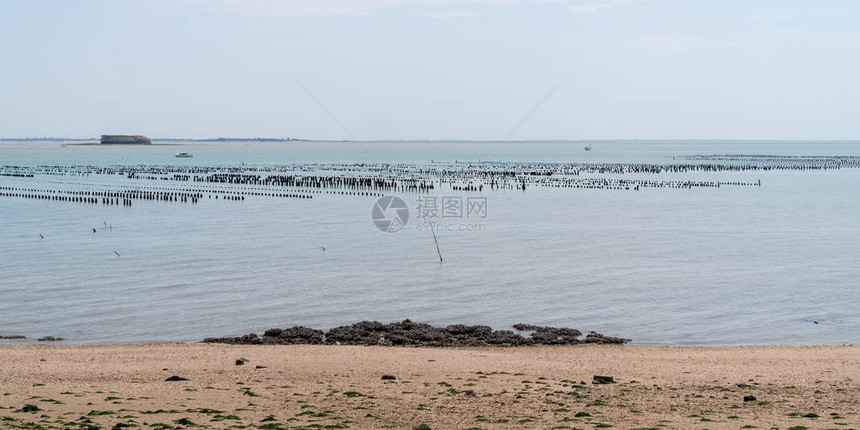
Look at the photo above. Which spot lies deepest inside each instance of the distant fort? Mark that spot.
(113, 139)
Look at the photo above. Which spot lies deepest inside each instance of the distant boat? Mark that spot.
(588, 148)
(183, 155)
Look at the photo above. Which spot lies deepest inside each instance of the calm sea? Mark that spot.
(775, 264)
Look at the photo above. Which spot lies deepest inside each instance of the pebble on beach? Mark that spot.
(603, 380)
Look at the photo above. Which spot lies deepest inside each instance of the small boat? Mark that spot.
(588, 148)
(183, 155)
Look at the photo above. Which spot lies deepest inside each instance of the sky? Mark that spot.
(431, 69)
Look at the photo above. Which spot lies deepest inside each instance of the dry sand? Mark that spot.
(341, 387)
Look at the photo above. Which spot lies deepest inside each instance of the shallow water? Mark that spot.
(728, 265)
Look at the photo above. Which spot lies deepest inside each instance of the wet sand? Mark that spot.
(311, 386)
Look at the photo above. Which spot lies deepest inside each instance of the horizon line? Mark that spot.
(297, 139)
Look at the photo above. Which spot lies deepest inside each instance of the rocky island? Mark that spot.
(122, 139)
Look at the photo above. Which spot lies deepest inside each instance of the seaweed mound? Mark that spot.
(410, 333)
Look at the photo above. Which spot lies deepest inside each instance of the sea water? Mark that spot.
(770, 264)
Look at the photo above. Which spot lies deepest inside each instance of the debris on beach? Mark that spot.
(409, 333)
(28, 408)
(598, 380)
(175, 378)
(49, 339)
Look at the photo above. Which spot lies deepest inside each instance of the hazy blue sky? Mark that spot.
(432, 69)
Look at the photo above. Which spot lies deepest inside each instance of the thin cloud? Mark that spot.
(430, 8)
(297, 7)
(588, 6)
(447, 13)
(680, 44)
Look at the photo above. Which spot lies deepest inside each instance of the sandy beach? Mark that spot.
(304, 386)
